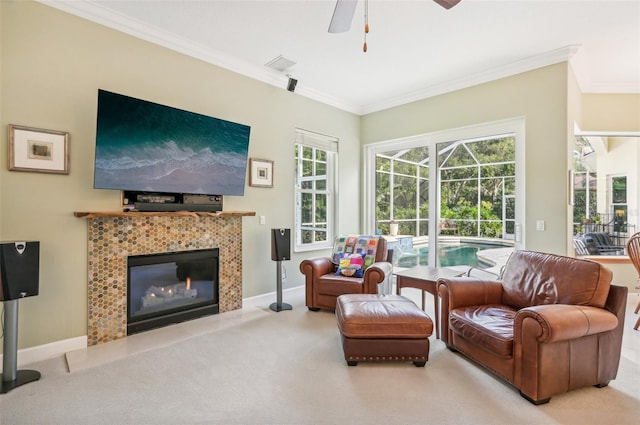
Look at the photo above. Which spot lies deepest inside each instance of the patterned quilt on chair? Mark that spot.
(355, 244)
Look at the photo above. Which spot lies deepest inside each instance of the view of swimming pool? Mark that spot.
(463, 254)
(449, 254)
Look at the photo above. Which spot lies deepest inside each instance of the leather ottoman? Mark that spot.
(376, 327)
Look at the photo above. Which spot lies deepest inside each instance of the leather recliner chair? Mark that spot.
(324, 286)
(552, 324)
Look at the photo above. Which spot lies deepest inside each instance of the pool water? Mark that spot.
(463, 253)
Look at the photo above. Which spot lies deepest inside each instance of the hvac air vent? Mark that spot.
(280, 64)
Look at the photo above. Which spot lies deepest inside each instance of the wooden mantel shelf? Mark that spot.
(89, 215)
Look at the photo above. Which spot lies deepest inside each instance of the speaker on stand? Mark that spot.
(280, 251)
(19, 278)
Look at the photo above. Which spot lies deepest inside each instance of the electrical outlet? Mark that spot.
(263, 219)
(540, 225)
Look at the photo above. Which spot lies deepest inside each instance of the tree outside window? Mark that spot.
(314, 188)
(619, 203)
(476, 177)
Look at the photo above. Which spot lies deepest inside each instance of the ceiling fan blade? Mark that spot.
(447, 4)
(342, 16)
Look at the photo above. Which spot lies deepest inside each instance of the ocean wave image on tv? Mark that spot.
(144, 146)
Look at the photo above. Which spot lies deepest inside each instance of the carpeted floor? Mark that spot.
(288, 368)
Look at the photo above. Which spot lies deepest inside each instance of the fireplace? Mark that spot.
(113, 237)
(171, 287)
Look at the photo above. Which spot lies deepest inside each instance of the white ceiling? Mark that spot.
(416, 49)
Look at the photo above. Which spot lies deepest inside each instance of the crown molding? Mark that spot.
(97, 13)
(549, 58)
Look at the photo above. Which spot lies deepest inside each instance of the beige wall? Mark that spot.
(540, 97)
(52, 65)
(610, 112)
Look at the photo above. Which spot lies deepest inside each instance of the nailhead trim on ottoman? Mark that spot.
(376, 327)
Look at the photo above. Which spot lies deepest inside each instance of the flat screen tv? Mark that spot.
(147, 147)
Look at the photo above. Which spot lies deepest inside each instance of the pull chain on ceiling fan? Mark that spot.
(366, 24)
(345, 9)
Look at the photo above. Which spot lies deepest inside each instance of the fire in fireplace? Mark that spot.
(171, 287)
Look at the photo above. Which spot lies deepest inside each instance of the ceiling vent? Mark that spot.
(280, 64)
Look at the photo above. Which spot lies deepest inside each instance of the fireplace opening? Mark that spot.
(172, 287)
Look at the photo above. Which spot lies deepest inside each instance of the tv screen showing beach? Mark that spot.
(148, 147)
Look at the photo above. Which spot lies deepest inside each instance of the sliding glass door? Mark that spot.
(439, 198)
(402, 189)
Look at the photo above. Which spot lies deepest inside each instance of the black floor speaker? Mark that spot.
(280, 244)
(280, 251)
(19, 278)
(19, 269)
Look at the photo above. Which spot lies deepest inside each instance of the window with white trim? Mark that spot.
(316, 166)
(422, 213)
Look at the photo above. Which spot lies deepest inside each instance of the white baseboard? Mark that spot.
(48, 351)
(59, 348)
(269, 295)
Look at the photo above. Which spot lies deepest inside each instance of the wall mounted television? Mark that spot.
(147, 147)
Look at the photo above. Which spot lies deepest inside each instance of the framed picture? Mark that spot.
(37, 150)
(260, 172)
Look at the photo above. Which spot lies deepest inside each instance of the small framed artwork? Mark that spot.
(260, 172)
(37, 150)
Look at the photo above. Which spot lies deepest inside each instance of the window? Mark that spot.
(585, 178)
(476, 181)
(442, 186)
(402, 186)
(315, 222)
(475, 195)
(619, 203)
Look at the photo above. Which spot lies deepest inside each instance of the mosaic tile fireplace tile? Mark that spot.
(112, 237)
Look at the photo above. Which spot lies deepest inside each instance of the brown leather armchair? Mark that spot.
(552, 324)
(324, 286)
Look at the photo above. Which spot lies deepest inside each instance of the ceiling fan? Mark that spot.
(345, 9)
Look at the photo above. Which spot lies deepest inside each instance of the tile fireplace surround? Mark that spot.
(112, 237)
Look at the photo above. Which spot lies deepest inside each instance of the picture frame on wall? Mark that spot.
(260, 172)
(38, 150)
